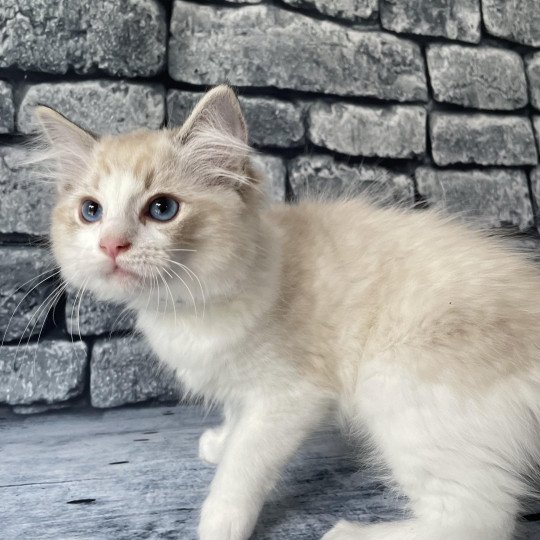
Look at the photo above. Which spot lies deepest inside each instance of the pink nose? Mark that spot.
(113, 246)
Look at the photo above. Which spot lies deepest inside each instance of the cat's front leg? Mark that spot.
(213, 440)
(263, 439)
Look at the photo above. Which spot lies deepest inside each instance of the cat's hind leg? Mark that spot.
(457, 455)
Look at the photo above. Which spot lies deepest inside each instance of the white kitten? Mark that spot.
(413, 328)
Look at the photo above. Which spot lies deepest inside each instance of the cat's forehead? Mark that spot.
(141, 155)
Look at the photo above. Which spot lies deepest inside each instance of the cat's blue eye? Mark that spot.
(163, 208)
(91, 211)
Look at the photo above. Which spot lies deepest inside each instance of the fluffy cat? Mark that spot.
(416, 330)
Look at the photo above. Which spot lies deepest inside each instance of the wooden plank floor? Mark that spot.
(133, 473)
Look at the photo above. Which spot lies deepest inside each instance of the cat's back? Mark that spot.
(418, 276)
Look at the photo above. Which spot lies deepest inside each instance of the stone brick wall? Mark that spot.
(425, 102)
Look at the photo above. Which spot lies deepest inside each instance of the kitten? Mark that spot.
(415, 329)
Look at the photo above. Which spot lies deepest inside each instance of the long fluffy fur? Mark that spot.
(404, 325)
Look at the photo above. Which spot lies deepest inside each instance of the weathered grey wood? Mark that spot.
(133, 473)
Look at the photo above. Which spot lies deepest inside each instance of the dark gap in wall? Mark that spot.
(357, 24)
(401, 165)
(485, 41)
(287, 94)
(21, 239)
(440, 106)
(85, 393)
(168, 7)
(532, 197)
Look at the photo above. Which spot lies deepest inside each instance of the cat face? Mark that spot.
(151, 215)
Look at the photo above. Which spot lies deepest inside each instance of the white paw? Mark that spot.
(211, 445)
(344, 530)
(224, 520)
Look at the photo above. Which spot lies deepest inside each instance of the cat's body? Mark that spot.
(409, 327)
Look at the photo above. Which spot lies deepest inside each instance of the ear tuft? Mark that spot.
(63, 143)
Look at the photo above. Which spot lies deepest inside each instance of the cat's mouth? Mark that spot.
(123, 274)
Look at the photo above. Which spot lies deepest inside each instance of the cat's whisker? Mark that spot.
(166, 296)
(188, 289)
(61, 289)
(35, 315)
(52, 271)
(19, 304)
(79, 309)
(192, 275)
(171, 294)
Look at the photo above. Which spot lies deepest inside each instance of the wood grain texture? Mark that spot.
(133, 473)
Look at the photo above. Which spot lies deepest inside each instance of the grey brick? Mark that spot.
(322, 175)
(275, 172)
(100, 106)
(87, 316)
(23, 291)
(536, 125)
(25, 199)
(454, 19)
(49, 372)
(344, 9)
(516, 21)
(123, 370)
(490, 197)
(271, 122)
(478, 77)
(125, 37)
(7, 110)
(393, 131)
(483, 139)
(533, 74)
(290, 50)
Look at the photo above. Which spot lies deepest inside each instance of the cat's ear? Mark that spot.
(66, 144)
(213, 141)
(218, 110)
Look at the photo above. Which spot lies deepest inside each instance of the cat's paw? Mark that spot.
(345, 530)
(224, 520)
(211, 445)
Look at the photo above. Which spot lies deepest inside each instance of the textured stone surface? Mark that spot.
(393, 131)
(125, 37)
(345, 9)
(23, 291)
(88, 316)
(271, 122)
(454, 19)
(7, 110)
(100, 106)
(322, 175)
(25, 198)
(299, 53)
(533, 74)
(490, 197)
(482, 139)
(536, 125)
(477, 77)
(275, 173)
(49, 372)
(123, 370)
(516, 21)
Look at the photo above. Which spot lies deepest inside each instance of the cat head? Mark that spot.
(148, 212)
